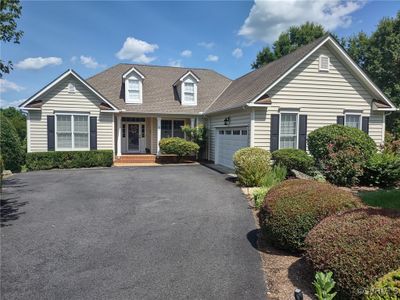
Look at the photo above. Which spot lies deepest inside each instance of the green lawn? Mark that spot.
(382, 198)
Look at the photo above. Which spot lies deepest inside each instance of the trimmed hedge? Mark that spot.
(358, 246)
(10, 146)
(69, 159)
(341, 152)
(320, 139)
(178, 146)
(296, 159)
(251, 165)
(382, 169)
(292, 208)
(386, 288)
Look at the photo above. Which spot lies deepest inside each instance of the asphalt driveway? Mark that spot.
(127, 233)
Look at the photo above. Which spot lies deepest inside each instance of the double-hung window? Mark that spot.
(189, 93)
(353, 121)
(72, 132)
(133, 90)
(172, 128)
(288, 131)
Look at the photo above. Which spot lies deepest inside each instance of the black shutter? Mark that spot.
(50, 134)
(93, 133)
(365, 124)
(274, 142)
(340, 120)
(302, 132)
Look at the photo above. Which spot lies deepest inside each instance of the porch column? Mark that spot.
(192, 122)
(158, 134)
(119, 135)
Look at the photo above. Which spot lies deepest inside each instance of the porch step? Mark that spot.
(143, 158)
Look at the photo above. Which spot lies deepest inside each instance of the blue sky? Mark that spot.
(90, 36)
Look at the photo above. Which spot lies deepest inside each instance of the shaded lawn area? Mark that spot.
(382, 198)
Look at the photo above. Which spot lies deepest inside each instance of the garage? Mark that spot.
(228, 141)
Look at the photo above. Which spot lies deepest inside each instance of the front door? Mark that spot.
(133, 137)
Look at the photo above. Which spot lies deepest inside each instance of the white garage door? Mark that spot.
(228, 141)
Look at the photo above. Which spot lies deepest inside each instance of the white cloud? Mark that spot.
(6, 85)
(238, 53)
(175, 63)
(137, 51)
(213, 58)
(186, 53)
(36, 63)
(89, 62)
(267, 19)
(206, 45)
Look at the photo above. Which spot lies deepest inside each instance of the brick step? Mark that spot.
(136, 159)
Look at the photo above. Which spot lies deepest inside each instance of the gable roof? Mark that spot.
(249, 88)
(159, 94)
(34, 103)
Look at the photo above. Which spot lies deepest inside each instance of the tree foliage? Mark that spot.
(288, 41)
(10, 11)
(10, 146)
(17, 119)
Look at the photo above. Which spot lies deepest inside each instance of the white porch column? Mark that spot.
(119, 135)
(192, 122)
(158, 134)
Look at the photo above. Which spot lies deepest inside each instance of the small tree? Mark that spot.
(197, 135)
(10, 145)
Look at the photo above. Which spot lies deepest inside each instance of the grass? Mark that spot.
(382, 198)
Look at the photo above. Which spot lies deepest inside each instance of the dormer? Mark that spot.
(187, 88)
(133, 81)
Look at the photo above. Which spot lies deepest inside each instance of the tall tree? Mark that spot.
(10, 11)
(288, 41)
(17, 119)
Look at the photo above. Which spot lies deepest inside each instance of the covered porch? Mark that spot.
(139, 134)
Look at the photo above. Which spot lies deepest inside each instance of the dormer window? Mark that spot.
(187, 88)
(189, 94)
(324, 63)
(133, 86)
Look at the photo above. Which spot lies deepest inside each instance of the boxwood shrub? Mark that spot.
(292, 208)
(382, 169)
(386, 288)
(293, 159)
(341, 152)
(358, 246)
(68, 159)
(178, 146)
(251, 165)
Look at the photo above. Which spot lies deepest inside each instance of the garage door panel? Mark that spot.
(228, 144)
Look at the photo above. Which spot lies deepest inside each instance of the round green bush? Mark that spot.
(10, 145)
(251, 165)
(320, 139)
(293, 159)
(341, 152)
(178, 146)
(386, 288)
(358, 246)
(292, 208)
(382, 169)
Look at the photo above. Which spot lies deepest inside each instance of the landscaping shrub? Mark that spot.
(358, 246)
(10, 146)
(69, 159)
(382, 169)
(386, 288)
(292, 208)
(251, 165)
(341, 152)
(277, 175)
(293, 159)
(178, 146)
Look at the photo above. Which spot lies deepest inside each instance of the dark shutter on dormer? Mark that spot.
(302, 132)
(274, 133)
(365, 124)
(50, 133)
(340, 120)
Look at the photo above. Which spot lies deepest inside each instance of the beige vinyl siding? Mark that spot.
(241, 118)
(322, 96)
(58, 99)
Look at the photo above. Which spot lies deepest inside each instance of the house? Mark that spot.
(128, 108)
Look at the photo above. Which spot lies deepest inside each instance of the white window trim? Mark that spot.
(131, 101)
(280, 128)
(72, 132)
(353, 114)
(320, 62)
(184, 102)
